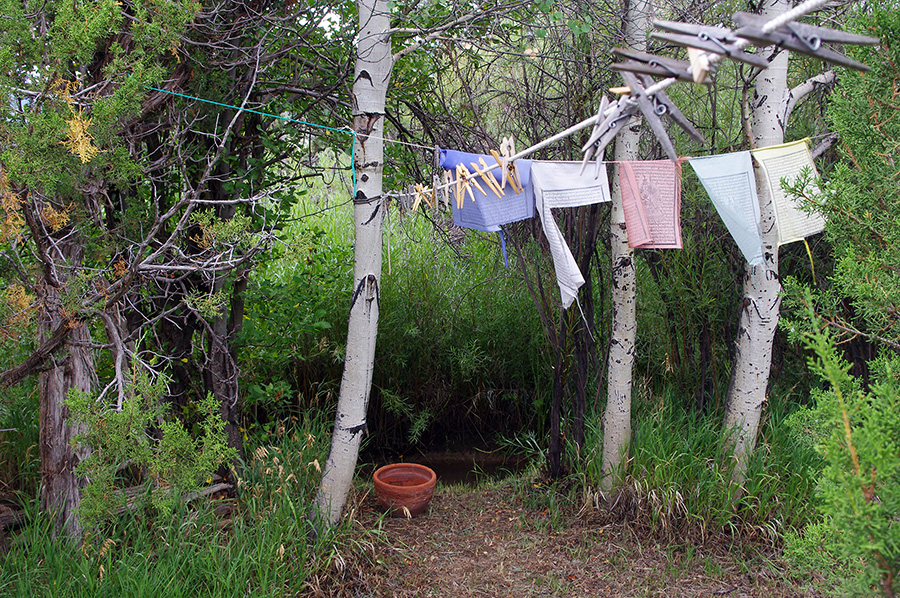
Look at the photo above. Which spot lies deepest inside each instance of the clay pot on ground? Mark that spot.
(408, 485)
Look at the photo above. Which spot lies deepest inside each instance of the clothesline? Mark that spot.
(651, 201)
(450, 183)
(346, 130)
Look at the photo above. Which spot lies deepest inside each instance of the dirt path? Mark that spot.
(487, 542)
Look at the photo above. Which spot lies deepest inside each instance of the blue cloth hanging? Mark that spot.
(731, 185)
(488, 211)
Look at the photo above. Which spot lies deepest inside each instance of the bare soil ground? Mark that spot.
(487, 542)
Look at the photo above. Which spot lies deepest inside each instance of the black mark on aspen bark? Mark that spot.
(374, 213)
(622, 264)
(358, 429)
(364, 124)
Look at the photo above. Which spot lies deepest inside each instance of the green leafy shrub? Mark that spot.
(860, 444)
(816, 550)
(288, 348)
(855, 421)
(143, 439)
(260, 549)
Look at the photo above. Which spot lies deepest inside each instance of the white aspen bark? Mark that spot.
(762, 287)
(372, 74)
(617, 416)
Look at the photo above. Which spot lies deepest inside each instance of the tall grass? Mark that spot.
(19, 449)
(262, 548)
(677, 481)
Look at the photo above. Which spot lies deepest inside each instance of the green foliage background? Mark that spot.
(855, 419)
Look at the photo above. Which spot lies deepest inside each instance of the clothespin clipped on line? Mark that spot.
(713, 40)
(651, 106)
(445, 187)
(421, 196)
(802, 38)
(403, 200)
(648, 64)
(702, 64)
(509, 169)
(487, 177)
(660, 105)
(464, 182)
(607, 127)
(602, 114)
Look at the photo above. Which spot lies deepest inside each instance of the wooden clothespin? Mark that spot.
(609, 123)
(424, 194)
(702, 63)
(445, 187)
(715, 40)
(656, 105)
(419, 192)
(650, 64)
(508, 150)
(802, 38)
(465, 177)
(487, 177)
(651, 106)
(510, 172)
(471, 180)
(403, 200)
(601, 116)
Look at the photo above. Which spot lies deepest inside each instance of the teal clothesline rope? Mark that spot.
(278, 116)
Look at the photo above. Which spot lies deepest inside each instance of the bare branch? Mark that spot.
(798, 93)
(824, 145)
(434, 33)
(37, 359)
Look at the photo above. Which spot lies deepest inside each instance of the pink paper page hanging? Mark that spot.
(651, 198)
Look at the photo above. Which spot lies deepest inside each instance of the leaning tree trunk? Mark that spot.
(372, 73)
(762, 287)
(617, 417)
(71, 368)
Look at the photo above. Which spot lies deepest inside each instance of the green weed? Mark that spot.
(677, 479)
(261, 548)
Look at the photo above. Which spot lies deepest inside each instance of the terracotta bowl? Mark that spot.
(402, 485)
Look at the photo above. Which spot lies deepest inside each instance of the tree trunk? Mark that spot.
(617, 417)
(560, 374)
(372, 74)
(222, 368)
(762, 287)
(221, 374)
(72, 367)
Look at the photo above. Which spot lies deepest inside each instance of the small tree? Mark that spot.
(136, 214)
(856, 420)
